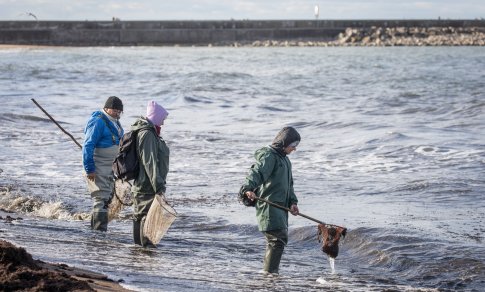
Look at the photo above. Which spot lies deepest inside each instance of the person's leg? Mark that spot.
(101, 192)
(136, 231)
(276, 241)
(142, 203)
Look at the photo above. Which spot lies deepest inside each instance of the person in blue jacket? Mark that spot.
(102, 136)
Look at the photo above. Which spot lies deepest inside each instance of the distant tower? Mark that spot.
(317, 11)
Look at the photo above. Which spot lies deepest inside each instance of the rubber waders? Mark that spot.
(99, 221)
(275, 245)
(138, 236)
(136, 231)
(144, 241)
(272, 260)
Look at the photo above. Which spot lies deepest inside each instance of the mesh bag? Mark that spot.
(122, 197)
(158, 220)
(330, 236)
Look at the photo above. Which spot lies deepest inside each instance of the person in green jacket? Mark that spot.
(153, 154)
(271, 178)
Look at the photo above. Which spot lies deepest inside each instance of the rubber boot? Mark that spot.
(137, 231)
(272, 259)
(144, 241)
(276, 241)
(99, 221)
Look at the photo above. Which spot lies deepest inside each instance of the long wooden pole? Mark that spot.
(301, 214)
(60, 127)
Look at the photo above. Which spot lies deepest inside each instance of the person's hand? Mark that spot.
(91, 176)
(250, 195)
(294, 210)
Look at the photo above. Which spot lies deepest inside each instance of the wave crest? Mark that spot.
(11, 200)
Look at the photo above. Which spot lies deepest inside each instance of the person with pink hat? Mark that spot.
(153, 155)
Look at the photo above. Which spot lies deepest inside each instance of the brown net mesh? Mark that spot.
(159, 219)
(329, 236)
(122, 197)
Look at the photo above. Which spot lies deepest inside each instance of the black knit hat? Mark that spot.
(114, 102)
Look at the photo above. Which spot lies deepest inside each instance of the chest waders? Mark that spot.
(101, 188)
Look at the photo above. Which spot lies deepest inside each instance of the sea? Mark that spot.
(392, 148)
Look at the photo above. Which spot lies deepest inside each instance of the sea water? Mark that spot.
(392, 148)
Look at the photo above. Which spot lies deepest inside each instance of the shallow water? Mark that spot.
(392, 147)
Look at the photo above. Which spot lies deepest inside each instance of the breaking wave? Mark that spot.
(12, 200)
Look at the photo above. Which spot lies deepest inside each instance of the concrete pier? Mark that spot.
(187, 33)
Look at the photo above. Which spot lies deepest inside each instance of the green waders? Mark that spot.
(142, 203)
(276, 241)
(102, 187)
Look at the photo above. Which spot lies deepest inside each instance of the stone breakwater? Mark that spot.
(413, 36)
(245, 33)
(396, 36)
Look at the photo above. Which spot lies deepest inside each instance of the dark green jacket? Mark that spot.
(272, 177)
(153, 154)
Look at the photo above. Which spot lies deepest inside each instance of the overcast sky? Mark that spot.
(239, 9)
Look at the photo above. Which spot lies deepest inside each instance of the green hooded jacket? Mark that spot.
(271, 179)
(153, 154)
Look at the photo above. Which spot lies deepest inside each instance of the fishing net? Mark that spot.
(121, 197)
(158, 220)
(329, 236)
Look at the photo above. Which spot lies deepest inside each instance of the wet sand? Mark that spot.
(19, 271)
(96, 281)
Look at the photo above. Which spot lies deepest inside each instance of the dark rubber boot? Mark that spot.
(144, 241)
(272, 260)
(137, 231)
(99, 221)
(276, 241)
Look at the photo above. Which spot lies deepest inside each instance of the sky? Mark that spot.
(239, 9)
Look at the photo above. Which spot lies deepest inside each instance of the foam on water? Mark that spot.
(331, 261)
(321, 280)
(14, 200)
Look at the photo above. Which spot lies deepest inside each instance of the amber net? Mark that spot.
(329, 236)
(122, 197)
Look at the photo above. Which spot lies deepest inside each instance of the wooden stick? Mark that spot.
(62, 129)
(301, 214)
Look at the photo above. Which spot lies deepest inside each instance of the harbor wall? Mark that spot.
(132, 33)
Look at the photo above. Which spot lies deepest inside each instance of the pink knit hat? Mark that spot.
(156, 113)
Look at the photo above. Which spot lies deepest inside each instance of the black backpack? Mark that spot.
(126, 164)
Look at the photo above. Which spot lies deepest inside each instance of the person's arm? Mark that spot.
(258, 174)
(148, 151)
(93, 132)
(293, 200)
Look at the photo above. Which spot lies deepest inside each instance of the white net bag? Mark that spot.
(158, 220)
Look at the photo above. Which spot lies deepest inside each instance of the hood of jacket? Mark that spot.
(142, 123)
(284, 138)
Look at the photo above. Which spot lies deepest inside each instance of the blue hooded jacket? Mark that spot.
(100, 132)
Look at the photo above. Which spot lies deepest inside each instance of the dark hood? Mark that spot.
(141, 123)
(284, 138)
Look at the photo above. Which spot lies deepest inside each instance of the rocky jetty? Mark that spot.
(413, 36)
(392, 36)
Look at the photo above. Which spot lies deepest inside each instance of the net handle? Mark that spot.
(301, 214)
(163, 202)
